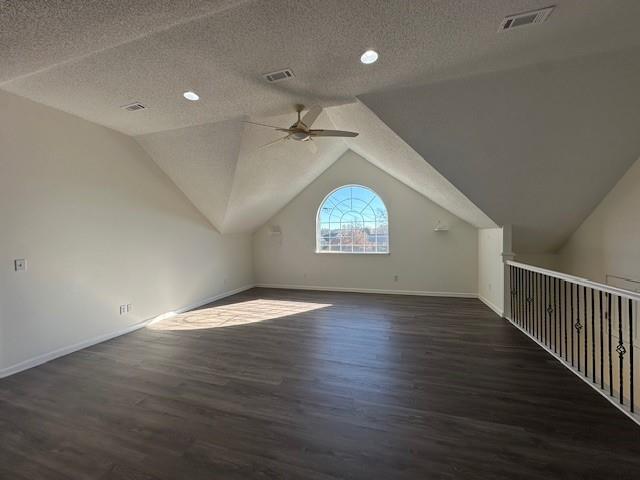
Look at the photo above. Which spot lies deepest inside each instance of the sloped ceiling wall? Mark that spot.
(381, 146)
(201, 161)
(536, 147)
(238, 184)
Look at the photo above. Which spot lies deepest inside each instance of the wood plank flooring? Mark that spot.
(278, 384)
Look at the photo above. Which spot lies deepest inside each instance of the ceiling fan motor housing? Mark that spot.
(300, 136)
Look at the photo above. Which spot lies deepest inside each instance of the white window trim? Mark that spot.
(323, 252)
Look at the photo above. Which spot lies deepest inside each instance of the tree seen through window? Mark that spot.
(353, 219)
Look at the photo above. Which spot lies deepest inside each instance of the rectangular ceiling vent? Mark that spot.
(132, 107)
(523, 19)
(279, 76)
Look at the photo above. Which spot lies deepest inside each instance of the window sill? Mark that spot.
(323, 252)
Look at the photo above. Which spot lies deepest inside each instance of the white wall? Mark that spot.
(608, 241)
(550, 261)
(100, 225)
(424, 260)
(491, 268)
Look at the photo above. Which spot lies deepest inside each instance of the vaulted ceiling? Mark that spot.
(536, 147)
(238, 185)
(443, 82)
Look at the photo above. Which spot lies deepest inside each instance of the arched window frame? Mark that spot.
(318, 223)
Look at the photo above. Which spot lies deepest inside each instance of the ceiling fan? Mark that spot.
(301, 131)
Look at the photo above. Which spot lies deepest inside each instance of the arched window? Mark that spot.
(352, 219)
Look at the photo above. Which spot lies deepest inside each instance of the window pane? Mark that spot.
(353, 219)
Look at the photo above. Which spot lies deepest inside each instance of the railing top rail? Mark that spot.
(578, 280)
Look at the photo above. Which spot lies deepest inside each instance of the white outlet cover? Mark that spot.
(20, 264)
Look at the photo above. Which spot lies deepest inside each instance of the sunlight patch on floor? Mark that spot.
(234, 314)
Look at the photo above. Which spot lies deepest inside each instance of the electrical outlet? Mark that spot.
(129, 307)
(20, 265)
(123, 309)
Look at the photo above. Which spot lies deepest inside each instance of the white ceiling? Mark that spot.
(537, 147)
(201, 161)
(238, 186)
(91, 57)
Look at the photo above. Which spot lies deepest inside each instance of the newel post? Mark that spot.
(507, 255)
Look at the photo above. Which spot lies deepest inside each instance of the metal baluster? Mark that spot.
(593, 338)
(511, 291)
(527, 304)
(601, 345)
(631, 392)
(571, 304)
(529, 301)
(516, 300)
(621, 351)
(566, 330)
(521, 295)
(552, 324)
(557, 305)
(524, 299)
(610, 345)
(578, 324)
(586, 333)
(517, 317)
(546, 294)
(523, 291)
(533, 301)
(555, 315)
(552, 313)
(538, 293)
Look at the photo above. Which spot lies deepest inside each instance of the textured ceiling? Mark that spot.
(201, 161)
(386, 150)
(238, 186)
(266, 179)
(90, 57)
(536, 147)
(496, 136)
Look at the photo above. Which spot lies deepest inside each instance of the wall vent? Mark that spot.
(279, 76)
(526, 18)
(132, 107)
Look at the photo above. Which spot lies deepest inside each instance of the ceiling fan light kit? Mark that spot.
(301, 130)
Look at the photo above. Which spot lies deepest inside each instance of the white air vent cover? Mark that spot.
(132, 107)
(527, 18)
(279, 76)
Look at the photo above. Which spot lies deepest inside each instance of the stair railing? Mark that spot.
(591, 328)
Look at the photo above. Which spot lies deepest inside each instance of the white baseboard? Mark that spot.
(491, 305)
(368, 290)
(580, 375)
(61, 352)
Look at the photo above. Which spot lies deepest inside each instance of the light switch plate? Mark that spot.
(20, 264)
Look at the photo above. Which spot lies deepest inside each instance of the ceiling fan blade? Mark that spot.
(277, 140)
(313, 148)
(312, 115)
(264, 125)
(331, 133)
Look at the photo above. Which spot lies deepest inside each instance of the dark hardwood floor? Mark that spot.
(279, 384)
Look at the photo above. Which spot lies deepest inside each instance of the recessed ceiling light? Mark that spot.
(368, 57)
(193, 96)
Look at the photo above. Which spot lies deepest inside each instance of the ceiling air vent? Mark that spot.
(132, 107)
(279, 76)
(523, 19)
